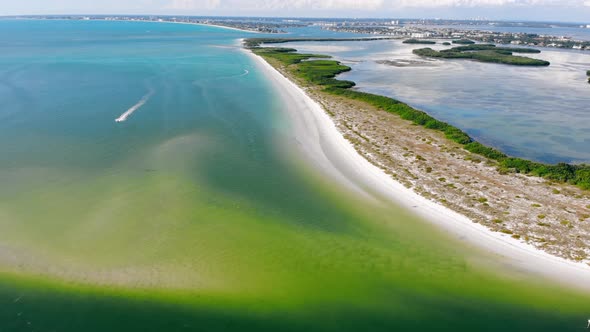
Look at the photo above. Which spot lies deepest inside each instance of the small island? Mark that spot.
(588, 74)
(486, 53)
(463, 42)
(446, 43)
(419, 41)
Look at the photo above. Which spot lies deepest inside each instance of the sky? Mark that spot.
(545, 10)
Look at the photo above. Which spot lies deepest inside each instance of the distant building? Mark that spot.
(420, 35)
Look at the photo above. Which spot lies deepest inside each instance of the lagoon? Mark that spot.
(533, 113)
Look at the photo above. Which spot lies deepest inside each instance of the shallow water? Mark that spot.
(535, 113)
(197, 212)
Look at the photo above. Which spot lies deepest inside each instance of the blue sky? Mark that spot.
(553, 10)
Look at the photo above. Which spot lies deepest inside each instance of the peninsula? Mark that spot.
(545, 206)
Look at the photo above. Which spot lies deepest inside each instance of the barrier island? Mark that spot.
(545, 205)
(485, 53)
(323, 73)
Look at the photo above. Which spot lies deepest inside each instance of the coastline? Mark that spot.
(185, 23)
(320, 139)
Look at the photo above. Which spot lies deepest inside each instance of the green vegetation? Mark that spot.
(487, 47)
(463, 42)
(419, 41)
(578, 175)
(588, 74)
(319, 72)
(485, 53)
(446, 43)
(256, 42)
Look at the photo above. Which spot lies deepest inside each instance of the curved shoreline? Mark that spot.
(169, 22)
(320, 140)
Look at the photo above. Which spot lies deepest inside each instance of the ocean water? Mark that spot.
(197, 213)
(534, 113)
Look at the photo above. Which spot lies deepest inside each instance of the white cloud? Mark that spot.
(320, 4)
(365, 5)
(194, 4)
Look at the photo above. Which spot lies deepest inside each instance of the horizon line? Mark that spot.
(300, 17)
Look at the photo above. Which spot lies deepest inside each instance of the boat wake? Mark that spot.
(246, 72)
(135, 107)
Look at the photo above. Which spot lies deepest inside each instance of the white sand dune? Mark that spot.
(135, 107)
(327, 150)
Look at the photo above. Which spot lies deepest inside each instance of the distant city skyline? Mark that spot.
(530, 10)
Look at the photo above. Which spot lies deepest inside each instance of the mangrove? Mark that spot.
(418, 41)
(463, 42)
(486, 53)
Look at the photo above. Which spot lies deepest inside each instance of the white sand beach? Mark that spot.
(327, 149)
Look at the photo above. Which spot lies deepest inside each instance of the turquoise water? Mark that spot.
(196, 213)
(534, 113)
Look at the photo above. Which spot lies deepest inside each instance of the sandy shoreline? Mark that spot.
(329, 151)
(185, 23)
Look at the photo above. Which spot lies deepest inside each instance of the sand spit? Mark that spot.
(326, 147)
